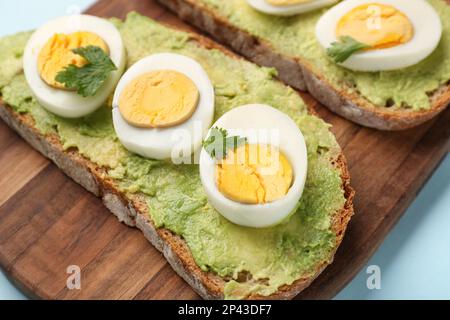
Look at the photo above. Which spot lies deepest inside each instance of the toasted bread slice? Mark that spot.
(300, 75)
(133, 211)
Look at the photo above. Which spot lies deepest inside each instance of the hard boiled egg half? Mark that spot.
(288, 7)
(397, 33)
(49, 51)
(163, 106)
(260, 182)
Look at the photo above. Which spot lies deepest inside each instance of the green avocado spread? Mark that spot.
(295, 36)
(274, 256)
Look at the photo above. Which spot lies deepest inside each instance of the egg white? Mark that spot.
(65, 103)
(265, 7)
(292, 145)
(427, 35)
(160, 143)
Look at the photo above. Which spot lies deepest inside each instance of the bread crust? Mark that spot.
(133, 211)
(301, 75)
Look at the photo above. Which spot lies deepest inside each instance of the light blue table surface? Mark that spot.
(414, 259)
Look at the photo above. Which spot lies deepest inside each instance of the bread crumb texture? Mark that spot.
(295, 36)
(271, 257)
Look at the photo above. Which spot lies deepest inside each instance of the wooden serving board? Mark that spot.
(48, 222)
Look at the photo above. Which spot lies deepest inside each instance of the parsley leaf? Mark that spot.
(342, 50)
(218, 143)
(88, 79)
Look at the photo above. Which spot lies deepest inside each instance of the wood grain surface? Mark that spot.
(48, 222)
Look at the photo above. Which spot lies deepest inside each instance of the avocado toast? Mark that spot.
(392, 100)
(167, 203)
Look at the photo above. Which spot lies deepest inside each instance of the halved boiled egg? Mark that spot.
(163, 106)
(258, 183)
(397, 33)
(49, 51)
(289, 7)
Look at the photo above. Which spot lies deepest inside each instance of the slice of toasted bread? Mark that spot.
(300, 75)
(133, 211)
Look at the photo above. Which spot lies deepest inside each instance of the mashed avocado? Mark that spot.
(295, 36)
(174, 194)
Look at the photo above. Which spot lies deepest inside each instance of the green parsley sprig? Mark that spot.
(345, 48)
(88, 79)
(218, 143)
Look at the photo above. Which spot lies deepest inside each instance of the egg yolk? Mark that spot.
(254, 174)
(377, 25)
(159, 99)
(286, 2)
(57, 54)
